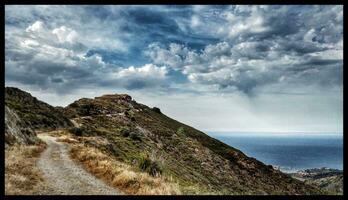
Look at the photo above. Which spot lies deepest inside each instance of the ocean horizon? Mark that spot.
(288, 151)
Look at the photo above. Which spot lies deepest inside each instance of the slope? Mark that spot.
(33, 112)
(145, 137)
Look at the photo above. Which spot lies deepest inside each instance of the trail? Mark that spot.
(66, 177)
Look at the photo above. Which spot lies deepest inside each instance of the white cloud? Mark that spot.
(65, 34)
(195, 21)
(308, 37)
(163, 56)
(38, 26)
(148, 70)
(250, 22)
(217, 49)
(147, 76)
(28, 43)
(94, 62)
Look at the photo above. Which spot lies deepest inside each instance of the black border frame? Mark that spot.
(149, 2)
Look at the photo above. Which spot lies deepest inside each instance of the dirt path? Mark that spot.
(64, 176)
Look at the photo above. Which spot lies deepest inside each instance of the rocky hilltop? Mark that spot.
(33, 112)
(137, 135)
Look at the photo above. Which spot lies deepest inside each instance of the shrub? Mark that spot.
(134, 136)
(76, 131)
(130, 115)
(150, 166)
(157, 110)
(155, 169)
(83, 131)
(144, 162)
(124, 132)
(180, 131)
(85, 110)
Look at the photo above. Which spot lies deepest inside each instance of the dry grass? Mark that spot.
(56, 133)
(67, 139)
(22, 177)
(121, 176)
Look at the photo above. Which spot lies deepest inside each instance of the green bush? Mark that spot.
(157, 110)
(144, 162)
(180, 131)
(150, 166)
(83, 131)
(125, 132)
(155, 169)
(76, 131)
(134, 136)
(130, 115)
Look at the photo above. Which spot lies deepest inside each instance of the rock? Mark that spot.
(16, 131)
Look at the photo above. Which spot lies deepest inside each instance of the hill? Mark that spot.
(33, 112)
(330, 180)
(131, 136)
(145, 137)
(16, 131)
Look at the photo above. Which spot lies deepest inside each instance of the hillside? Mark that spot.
(327, 179)
(166, 156)
(141, 136)
(16, 131)
(33, 112)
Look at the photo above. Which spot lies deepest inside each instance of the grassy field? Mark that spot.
(22, 177)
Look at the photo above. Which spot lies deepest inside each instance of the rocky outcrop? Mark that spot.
(33, 112)
(16, 131)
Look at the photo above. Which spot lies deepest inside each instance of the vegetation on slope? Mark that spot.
(35, 113)
(329, 180)
(22, 176)
(199, 163)
(143, 149)
(126, 178)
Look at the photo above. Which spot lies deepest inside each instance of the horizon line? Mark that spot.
(279, 132)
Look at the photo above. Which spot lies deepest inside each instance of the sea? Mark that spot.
(289, 152)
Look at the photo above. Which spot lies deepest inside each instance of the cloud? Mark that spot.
(38, 26)
(261, 48)
(65, 34)
(148, 75)
(55, 59)
(171, 57)
(241, 52)
(256, 45)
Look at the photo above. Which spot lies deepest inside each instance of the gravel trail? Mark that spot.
(66, 177)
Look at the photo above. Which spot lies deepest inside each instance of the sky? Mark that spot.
(275, 68)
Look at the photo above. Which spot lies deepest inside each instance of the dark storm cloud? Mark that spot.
(265, 45)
